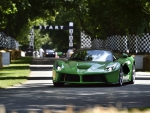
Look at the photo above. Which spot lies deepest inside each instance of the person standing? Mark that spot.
(41, 51)
(36, 53)
(69, 52)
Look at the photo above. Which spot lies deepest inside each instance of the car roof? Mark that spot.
(49, 50)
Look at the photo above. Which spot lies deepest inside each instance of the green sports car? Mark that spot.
(94, 66)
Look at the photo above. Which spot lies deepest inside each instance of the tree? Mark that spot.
(98, 18)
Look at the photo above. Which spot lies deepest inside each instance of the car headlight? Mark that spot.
(111, 67)
(58, 68)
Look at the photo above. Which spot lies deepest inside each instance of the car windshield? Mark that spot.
(93, 55)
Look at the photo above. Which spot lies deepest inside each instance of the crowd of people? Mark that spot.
(38, 53)
(41, 53)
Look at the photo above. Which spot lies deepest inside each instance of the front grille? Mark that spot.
(70, 77)
(85, 78)
(93, 78)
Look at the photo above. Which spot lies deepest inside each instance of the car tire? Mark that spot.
(133, 75)
(120, 79)
(58, 84)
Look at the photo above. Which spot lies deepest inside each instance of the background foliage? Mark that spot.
(98, 18)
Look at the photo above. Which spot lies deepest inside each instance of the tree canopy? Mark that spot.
(98, 18)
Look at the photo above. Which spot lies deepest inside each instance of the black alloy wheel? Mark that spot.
(133, 75)
(120, 80)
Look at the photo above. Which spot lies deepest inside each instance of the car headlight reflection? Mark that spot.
(59, 68)
(111, 67)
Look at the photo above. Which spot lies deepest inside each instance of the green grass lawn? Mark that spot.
(15, 73)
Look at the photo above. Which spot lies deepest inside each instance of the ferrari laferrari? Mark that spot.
(94, 66)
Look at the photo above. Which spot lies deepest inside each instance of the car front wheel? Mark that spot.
(133, 75)
(120, 80)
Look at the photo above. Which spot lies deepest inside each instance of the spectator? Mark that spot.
(36, 53)
(41, 51)
(69, 53)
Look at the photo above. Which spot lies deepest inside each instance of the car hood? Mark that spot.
(83, 67)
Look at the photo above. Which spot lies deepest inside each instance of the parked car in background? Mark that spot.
(49, 53)
(29, 52)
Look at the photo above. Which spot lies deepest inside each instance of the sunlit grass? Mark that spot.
(16, 73)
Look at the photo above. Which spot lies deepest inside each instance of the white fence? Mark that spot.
(132, 43)
(7, 42)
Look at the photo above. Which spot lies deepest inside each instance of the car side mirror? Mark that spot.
(124, 55)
